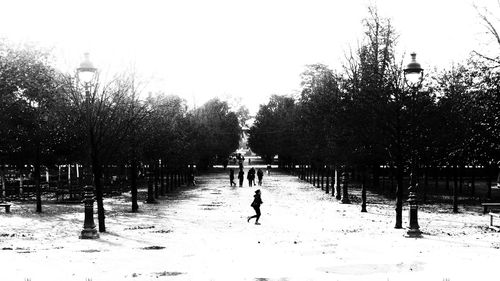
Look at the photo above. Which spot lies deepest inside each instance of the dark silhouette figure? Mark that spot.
(268, 169)
(252, 172)
(240, 160)
(241, 177)
(249, 177)
(257, 201)
(231, 177)
(260, 174)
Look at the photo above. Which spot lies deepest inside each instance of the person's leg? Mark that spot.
(257, 216)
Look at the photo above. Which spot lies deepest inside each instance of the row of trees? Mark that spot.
(364, 116)
(47, 118)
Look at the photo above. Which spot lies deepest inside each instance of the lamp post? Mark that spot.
(86, 74)
(413, 75)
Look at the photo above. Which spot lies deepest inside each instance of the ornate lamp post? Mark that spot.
(413, 75)
(86, 74)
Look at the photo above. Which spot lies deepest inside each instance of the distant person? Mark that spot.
(225, 162)
(249, 161)
(257, 201)
(252, 171)
(241, 177)
(250, 177)
(268, 169)
(231, 177)
(260, 175)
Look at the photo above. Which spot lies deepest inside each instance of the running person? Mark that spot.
(257, 201)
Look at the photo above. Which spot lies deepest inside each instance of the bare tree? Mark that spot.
(109, 114)
(490, 22)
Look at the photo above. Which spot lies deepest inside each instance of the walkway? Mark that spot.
(202, 234)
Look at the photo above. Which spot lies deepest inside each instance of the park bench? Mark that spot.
(492, 215)
(6, 206)
(489, 205)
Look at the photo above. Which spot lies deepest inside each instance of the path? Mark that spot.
(202, 234)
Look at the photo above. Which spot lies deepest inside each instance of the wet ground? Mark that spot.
(201, 233)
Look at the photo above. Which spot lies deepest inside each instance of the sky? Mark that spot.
(241, 50)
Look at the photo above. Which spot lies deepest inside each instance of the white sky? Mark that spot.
(249, 49)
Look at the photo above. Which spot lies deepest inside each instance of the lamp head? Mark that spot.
(86, 71)
(413, 72)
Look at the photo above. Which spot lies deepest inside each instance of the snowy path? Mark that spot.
(202, 234)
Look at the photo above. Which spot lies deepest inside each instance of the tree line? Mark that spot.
(364, 116)
(47, 118)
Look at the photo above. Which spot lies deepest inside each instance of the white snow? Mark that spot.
(305, 235)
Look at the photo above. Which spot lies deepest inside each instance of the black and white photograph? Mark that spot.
(276, 140)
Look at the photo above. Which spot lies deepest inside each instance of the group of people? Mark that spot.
(251, 182)
(250, 177)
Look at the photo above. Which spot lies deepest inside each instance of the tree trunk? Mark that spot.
(363, 191)
(21, 180)
(461, 178)
(382, 178)
(392, 181)
(162, 179)
(97, 171)
(376, 176)
(150, 180)
(488, 180)
(156, 179)
(447, 172)
(436, 178)
(37, 182)
(170, 185)
(308, 173)
(133, 183)
(345, 183)
(338, 194)
(473, 181)
(322, 172)
(70, 186)
(2, 181)
(426, 183)
(314, 175)
(455, 189)
(327, 186)
(399, 195)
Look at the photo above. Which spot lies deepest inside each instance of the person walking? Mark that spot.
(260, 175)
(252, 171)
(231, 177)
(241, 177)
(257, 201)
(249, 177)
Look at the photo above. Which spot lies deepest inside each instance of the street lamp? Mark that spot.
(86, 71)
(413, 75)
(86, 74)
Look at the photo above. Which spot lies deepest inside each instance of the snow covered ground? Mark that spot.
(201, 233)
